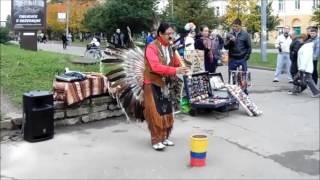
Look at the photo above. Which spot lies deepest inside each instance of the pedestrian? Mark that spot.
(161, 63)
(283, 59)
(44, 38)
(118, 39)
(179, 42)
(294, 48)
(94, 43)
(205, 43)
(69, 39)
(40, 38)
(305, 66)
(151, 36)
(180, 39)
(238, 43)
(189, 42)
(217, 45)
(256, 38)
(64, 41)
(313, 32)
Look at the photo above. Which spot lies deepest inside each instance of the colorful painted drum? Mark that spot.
(198, 154)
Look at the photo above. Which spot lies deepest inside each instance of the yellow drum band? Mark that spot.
(199, 143)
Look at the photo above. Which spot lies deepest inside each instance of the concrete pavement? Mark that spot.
(283, 143)
(54, 46)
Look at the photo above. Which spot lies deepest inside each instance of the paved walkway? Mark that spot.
(54, 46)
(283, 143)
(6, 106)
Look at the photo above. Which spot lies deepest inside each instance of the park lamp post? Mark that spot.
(67, 21)
(172, 10)
(67, 15)
(238, 8)
(263, 41)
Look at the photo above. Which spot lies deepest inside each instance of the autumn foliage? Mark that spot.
(77, 9)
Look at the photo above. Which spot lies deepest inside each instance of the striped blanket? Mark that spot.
(77, 91)
(71, 92)
(98, 84)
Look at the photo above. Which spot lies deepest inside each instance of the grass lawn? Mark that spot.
(257, 45)
(255, 60)
(77, 42)
(23, 70)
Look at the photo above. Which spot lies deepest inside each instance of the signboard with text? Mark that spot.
(28, 14)
(62, 17)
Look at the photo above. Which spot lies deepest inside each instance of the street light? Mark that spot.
(172, 10)
(264, 30)
(67, 25)
(238, 8)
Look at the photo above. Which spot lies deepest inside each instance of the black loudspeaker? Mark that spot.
(37, 116)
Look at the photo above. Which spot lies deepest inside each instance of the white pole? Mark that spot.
(172, 10)
(264, 30)
(67, 26)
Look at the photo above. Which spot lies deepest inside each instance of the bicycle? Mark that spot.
(93, 52)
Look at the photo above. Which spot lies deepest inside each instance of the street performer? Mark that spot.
(161, 63)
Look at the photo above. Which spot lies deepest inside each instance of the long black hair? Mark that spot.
(163, 27)
(203, 27)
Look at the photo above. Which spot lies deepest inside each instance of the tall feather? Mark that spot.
(126, 81)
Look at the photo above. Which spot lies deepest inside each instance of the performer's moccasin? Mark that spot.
(167, 142)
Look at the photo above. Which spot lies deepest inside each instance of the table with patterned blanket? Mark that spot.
(77, 91)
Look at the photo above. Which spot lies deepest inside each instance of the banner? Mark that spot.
(28, 14)
(196, 58)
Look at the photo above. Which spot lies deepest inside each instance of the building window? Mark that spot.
(297, 30)
(218, 11)
(280, 30)
(315, 4)
(280, 5)
(297, 4)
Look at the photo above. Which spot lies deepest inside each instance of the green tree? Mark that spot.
(239, 9)
(4, 34)
(119, 14)
(250, 15)
(316, 16)
(196, 11)
(254, 19)
(8, 21)
(272, 21)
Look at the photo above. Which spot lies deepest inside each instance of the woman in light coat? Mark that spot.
(305, 65)
(189, 42)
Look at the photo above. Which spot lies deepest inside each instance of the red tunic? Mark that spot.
(156, 66)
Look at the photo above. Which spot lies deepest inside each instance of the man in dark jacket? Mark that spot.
(64, 41)
(239, 45)
(118, 39)
(313, 32)
(294, 48)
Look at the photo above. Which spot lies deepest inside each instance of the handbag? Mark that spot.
(299, 79)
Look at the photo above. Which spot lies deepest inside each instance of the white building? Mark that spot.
(295, 14)
(220, 7)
